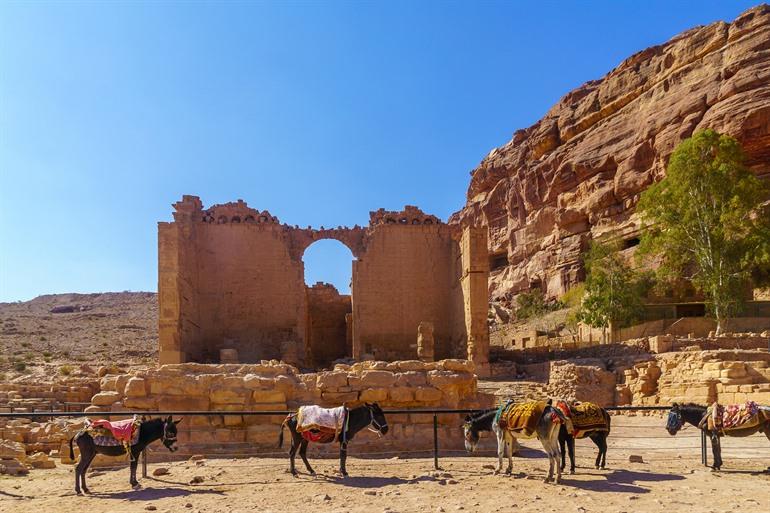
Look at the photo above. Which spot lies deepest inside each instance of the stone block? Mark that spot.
(339, 398)
(105, 398)
(178, 403)
(268, 396)
(373, 395)
(411, 379)
(401, 394)
(427, 394)
(135, 387)
(377, 378)
(329, 380)
(228, 395)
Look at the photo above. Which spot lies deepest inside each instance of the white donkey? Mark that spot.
(546, 429)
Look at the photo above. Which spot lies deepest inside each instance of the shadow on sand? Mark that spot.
(145, 494)
(620, 481)
(371, 482)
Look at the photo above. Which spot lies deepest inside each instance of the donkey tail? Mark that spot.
(72, 452)
(280, 433)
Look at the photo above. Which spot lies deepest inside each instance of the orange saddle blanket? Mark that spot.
(521, 418)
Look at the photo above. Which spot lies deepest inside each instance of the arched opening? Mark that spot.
(328, 267)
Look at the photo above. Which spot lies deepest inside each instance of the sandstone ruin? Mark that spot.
(231, 277)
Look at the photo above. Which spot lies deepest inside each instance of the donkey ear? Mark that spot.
(674, 405)
(178, 421)
(168, 419)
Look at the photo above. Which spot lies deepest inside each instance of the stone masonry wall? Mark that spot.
(274, 386)
(327, 328)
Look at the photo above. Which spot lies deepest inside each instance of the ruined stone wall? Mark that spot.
(406, 277)
(231, 277)
(251, 293)
(327, 327)
(272, 386)
(701, 377)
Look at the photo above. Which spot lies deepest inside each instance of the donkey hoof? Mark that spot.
(137, 486)
(572, 471)
(547, 480)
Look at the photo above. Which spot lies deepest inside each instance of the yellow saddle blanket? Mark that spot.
(521, 418)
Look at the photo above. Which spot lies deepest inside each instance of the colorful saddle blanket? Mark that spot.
(586, 417)
(734, 416)
(521, 418)
(121, 432)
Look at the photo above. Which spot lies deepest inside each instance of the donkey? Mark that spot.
(367, 416)
(149, 431)
(597, 436)
(547, 432)
(693, 414)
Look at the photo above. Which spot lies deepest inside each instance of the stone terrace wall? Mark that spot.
(36, 396)
(274, 386)
(698, 376)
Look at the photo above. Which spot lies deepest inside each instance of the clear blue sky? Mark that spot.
(317, 111)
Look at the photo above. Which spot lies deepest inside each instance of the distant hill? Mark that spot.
(73, 329)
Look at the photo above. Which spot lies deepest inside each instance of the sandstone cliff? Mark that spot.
(577, 173)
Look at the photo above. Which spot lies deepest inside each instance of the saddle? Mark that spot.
(520, 418)
(120, 432)
(320, 425)
(733, 416)
(586, 417)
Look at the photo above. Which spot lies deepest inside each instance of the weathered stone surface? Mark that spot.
(577, 173)
(105, 398)
(135, 387)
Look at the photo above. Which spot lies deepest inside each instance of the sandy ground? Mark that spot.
(671, 477)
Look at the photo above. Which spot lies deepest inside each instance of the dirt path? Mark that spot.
(671, 478)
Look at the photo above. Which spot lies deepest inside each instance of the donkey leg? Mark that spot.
(292, 453)
(134, 461)
(509, 450)
(85, 461)
(79, 470)
(343, 458)
(303, 455)
(716, 449)
(571, 449)
(500, 449)
(562, 443)
(604, 450)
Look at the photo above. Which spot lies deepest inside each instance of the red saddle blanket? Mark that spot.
(320, 436)
(122, 430)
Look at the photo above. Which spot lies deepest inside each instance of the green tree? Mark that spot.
(707, 221)
(613, 291)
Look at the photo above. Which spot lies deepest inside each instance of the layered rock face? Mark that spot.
(577, 173)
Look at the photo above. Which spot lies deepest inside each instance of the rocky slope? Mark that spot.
(40, 336)
(577, 173)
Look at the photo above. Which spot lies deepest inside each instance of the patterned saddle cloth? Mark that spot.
(734, 416)
(320, 419)
(521, 418)
(121, 432)
(586, 417)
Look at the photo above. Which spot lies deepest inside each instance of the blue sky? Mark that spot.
(316, 111)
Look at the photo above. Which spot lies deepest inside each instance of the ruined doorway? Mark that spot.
(328, 274)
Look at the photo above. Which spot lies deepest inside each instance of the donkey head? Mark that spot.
(674, 422)
(471, 434)
(378, 418)
(169, 433)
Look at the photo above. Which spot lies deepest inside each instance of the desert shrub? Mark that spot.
(19, 366)
(65, 370)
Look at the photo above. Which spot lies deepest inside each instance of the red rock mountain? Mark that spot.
(577, 173)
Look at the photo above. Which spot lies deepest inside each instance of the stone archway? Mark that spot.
(328, 323)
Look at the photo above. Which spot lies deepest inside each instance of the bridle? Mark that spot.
(168, 439)
(674, 425)
(373, 425)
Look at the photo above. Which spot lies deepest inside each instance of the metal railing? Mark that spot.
(433, 412)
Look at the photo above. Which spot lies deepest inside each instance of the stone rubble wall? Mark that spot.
(26, 396)
(700, 377)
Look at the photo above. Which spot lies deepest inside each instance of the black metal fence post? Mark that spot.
(144, 463)
(435, 441)
(703, 452)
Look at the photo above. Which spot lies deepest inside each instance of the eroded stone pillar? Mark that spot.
(475, 286)
(425, 342)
